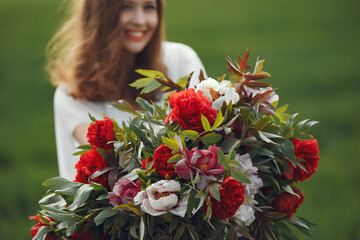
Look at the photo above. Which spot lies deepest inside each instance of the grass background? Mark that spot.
(311, 49)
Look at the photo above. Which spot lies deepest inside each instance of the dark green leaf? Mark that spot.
(193, 234)
(223, 160)
(211, 138)
(138, 132)
(81, 195)
(288, 149)
(179, 232)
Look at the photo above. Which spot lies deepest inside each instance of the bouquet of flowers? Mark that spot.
(216, 162)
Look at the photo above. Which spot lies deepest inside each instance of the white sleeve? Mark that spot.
(68, 114)
(181, 60)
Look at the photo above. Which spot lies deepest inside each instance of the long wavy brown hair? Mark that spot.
(86, 54)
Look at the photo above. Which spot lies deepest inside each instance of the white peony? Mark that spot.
(162, 197)
(246, 214)
(218, 92)
(251, 172)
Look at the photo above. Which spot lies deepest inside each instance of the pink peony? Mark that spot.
(205, 162)
(124, 191)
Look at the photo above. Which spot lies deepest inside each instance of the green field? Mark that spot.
(311, 49)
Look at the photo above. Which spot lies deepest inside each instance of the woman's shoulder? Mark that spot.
(180, 51)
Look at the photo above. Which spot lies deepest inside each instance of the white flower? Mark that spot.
(246, 214)
(218, 92)
(162, 197)
(251, 172)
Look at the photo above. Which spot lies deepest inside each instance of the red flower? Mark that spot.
(187, 107)
(35, 228)
(161, 155)
(307, 150)
(89, 163)
(143, 163)
(287, 202)
(100, 133)
(231, 197)
(83, 236)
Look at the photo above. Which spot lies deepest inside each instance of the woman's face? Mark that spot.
(139, 20)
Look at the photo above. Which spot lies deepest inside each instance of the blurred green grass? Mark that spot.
(311, 49)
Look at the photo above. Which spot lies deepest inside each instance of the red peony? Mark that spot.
(89, 163)
(231, 197)
(83, 236)
(101, 133)
(35, 228)
(187, 107)
(287, 202)
(307, 150)
(161, 156)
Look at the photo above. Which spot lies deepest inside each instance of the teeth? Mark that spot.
(135, 34)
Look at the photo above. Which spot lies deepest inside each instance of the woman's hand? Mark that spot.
(80, 133)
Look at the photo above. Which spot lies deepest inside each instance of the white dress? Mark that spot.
(180, 61)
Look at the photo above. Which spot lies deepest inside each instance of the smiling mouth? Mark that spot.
(134, 35)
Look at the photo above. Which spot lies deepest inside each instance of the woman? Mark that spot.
(92, 61)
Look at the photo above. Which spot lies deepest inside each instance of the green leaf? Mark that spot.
(219, 119)
(232, 151)
(139, 133)
(211, 138)
(142, 229)
(288, 148)
(289, 125)
(81, 195)
(149, 73)
(179, 231)
(175, 158)
(140, 83)
(92, 118)
(192, 202)
(145, 104)
(235, 164)
(261, 123)
(183, 81)
(42, 232)
(288, 189)
(193, 234)
(191, 134)
(107, 156)
(129, 206)
(58, 183)
(208, 211)
(214, 190)
(205, 123)
(124, 106)
(265, 138)
(301, 225)
(223, 160)
(171, 143)
(151, 86)
(240, 177)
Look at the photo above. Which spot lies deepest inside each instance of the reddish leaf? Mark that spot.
(257, 76)
(232, 68)
(253, 84)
